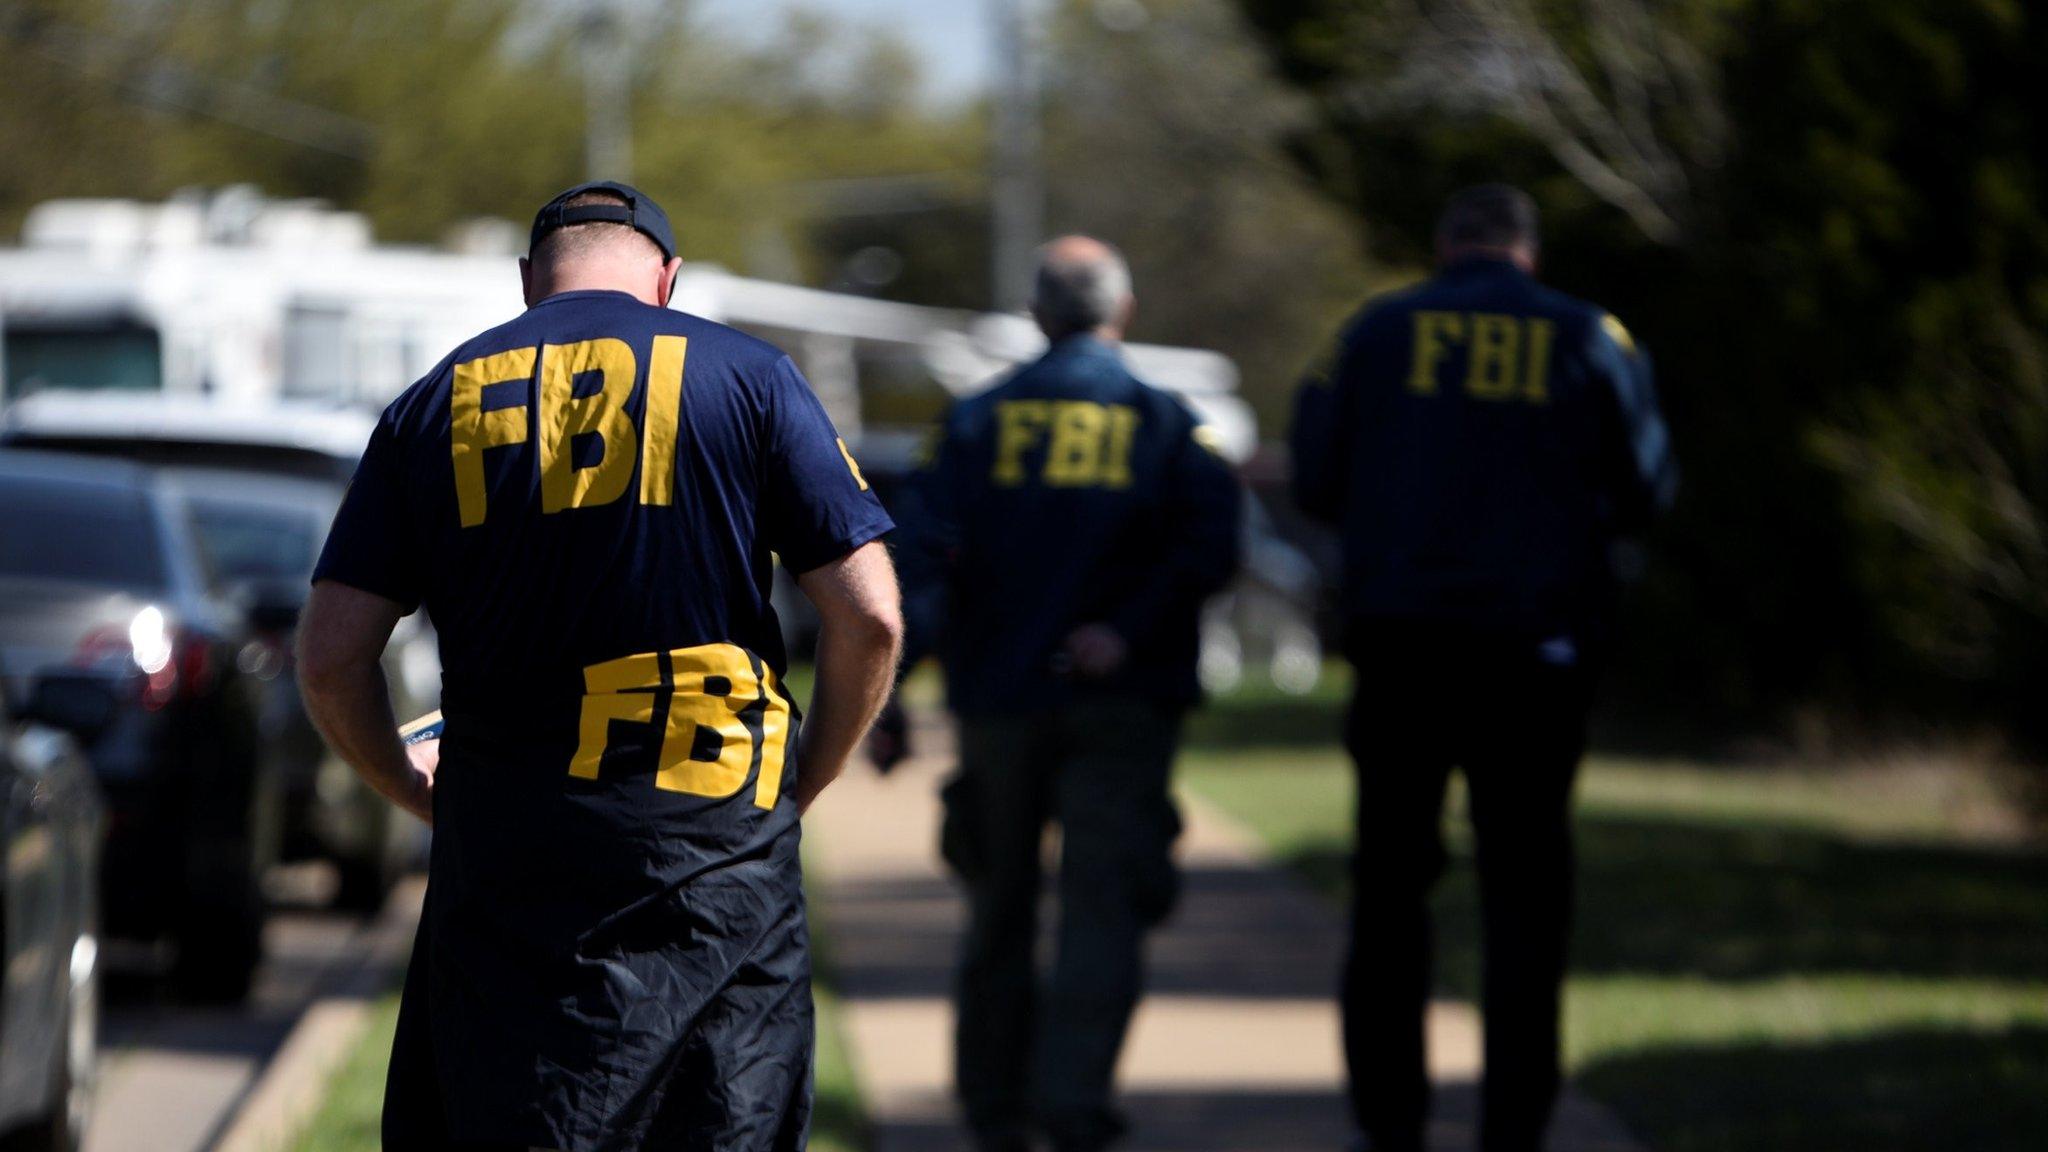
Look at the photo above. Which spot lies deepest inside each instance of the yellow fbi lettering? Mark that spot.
(606, 370)
(1504, 357)
(725, 714)
(1087, 445)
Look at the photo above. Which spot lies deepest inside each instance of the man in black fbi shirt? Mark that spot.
(1057, 550)
(1479, 441)
(613, 952)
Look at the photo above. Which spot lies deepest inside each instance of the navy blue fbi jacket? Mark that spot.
(1480, 440)
(1070, 494)
(585, 500)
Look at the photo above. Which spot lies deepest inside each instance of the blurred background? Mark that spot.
(1816, 911)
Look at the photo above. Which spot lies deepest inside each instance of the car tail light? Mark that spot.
(174, 661)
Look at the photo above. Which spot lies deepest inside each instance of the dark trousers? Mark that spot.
(1429, 701)
(1044, 1056)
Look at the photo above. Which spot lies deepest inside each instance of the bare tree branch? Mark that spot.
(1608, 121)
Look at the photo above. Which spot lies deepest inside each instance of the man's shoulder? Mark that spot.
(1108, 377)
(710, 343)
(1581, 320)
(622, 317)
(712, 340)
(1390, 307)
(1564, 305)
(1522, 295)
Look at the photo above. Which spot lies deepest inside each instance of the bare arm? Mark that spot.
(859, 638)
(341, 642)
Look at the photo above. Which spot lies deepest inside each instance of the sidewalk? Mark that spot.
(1235, 1046)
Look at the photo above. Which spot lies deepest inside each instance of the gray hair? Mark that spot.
(1079, 292)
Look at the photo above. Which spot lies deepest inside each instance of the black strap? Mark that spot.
(589, 213)
(559, 217)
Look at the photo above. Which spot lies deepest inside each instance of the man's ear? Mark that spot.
(666, 290)
(526, 280)
(1125, 313)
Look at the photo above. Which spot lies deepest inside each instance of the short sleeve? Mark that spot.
(371, 545)
(815, 505)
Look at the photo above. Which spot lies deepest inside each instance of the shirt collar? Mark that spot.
(1084, 344)
(1483, 266)
(585, 294)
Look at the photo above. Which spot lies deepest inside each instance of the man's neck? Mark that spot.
(1520, 257)
(593, 277)
(560, 285)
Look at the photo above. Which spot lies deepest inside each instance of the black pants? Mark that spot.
(1029, 1058)
(1428, 701)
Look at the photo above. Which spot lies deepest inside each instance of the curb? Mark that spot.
(294, 1083)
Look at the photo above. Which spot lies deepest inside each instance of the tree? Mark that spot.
(1825, 216)
(424, 112)
(1166, 134)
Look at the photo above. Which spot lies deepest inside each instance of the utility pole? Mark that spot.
(607, 93)
(1017, 179)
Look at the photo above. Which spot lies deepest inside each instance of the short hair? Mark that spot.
(1080, 293)
(572, 241)
(1489, 216)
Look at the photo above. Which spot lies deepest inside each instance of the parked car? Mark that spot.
(100, 576)
(262, 481)
(49, 913)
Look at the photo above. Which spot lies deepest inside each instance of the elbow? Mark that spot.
(885, 629)
(874, 629)
(322, 671)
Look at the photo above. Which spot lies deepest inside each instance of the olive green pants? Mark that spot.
(1041, 1054)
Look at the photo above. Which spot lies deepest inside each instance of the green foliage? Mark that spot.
(422, 113)
(1168, 137)
(1847, 307)
(350, 1115)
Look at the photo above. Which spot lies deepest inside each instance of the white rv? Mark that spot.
(234, 296)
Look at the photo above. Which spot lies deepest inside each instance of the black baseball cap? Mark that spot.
(643, 214)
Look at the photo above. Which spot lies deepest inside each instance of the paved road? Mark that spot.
(171, 1075)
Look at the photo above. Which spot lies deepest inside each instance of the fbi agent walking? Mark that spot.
(613, 951)
(1059, 547)
(1479, 441)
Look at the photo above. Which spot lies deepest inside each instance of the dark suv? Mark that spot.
(261, 481)
(99, 576)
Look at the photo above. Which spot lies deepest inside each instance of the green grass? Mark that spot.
(348, 1117)
(1765, 959)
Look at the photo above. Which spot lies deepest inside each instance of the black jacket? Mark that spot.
(1072, 493)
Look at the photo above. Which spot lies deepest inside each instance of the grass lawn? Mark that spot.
(348, 1118)
(1851, 959)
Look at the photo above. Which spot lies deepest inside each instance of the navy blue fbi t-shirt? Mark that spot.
(585, 500)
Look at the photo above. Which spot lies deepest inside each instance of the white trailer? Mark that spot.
(234, 296)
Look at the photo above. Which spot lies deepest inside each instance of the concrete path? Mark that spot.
(172, 1075)
(1234, 1048)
